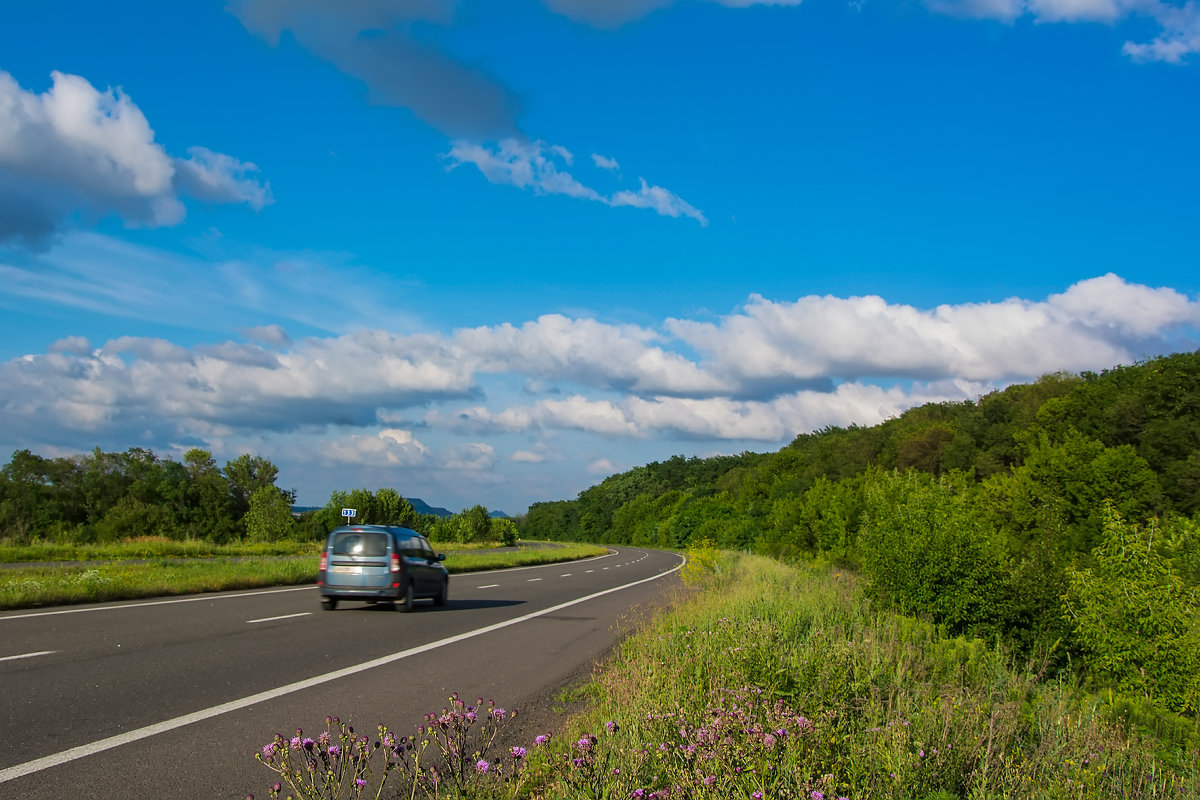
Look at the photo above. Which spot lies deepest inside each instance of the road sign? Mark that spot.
(349, 512)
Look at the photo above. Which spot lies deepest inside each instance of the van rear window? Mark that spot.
(366, 543)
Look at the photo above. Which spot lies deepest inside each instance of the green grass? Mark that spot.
(150, 548)
(117, 580)
(871, 704)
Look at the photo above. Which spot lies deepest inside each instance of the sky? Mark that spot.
(493, 252)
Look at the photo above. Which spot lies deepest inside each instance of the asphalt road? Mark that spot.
(172, 698)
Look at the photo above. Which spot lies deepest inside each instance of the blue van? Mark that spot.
(381, 562)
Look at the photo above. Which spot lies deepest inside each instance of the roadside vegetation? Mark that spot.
(27, 587)
(1057, 519)
(774, 681)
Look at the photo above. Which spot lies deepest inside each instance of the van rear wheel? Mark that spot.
(409, 598)
(443, 595)
(329, 603)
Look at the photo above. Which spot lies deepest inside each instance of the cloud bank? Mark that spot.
(764, 372)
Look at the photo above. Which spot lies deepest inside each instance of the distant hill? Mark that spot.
(418, 504)
(424, 508)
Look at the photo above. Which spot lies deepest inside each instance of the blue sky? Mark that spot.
(494, 252)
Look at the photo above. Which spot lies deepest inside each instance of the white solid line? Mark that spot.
(489, 586)
(285, 616)
(531, 580)
(29, 655)
(45, 762)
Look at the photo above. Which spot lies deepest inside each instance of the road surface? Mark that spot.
(172, 697)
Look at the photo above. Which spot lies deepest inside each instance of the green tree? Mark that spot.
(269, 518)
(474, 525)
(246, 475)
(504, 530)
(393, 509)
(211, 506)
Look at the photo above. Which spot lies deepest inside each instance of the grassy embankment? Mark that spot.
(777, 682)
(189, 567)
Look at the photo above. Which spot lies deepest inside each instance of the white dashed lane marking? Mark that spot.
(531, 580)
(285, 616)
(489, 586)
(28, 655)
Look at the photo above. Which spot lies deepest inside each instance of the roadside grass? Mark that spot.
(150, 547)
(781, 682)
(162, 547)
(117, 580)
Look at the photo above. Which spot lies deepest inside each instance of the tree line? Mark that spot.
(107, 497)
(1062, 516)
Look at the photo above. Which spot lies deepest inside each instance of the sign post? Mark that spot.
(349, 513)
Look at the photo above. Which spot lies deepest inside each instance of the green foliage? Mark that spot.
(504, 530)
(474, 525)
(703, 562)
(1135, 618)
(269, 518)
(926, 550)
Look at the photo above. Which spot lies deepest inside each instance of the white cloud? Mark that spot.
(534, 165)
(471, 457)
(587, 352)
(1179, 25)
(389, 447)
(602, 467)
(528, 457)
(74, 149)
(605, 163)
(1104, 321)
(661, 200)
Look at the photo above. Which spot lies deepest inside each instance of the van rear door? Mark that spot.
(359, 560)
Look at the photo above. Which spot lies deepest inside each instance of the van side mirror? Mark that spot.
(441, 556)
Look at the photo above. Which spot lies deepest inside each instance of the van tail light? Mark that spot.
(324, 565)
(395, 562)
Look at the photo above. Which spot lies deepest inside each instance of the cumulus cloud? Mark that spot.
(76, 150)
(389, 447)
(471, 457)
(534, 166)
(769, 345)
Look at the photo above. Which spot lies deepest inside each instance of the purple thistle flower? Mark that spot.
(817, 795)
(518, 753)
(541, 740)
(482, 766)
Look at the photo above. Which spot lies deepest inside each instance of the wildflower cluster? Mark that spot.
(337, 763)
(450, 755)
